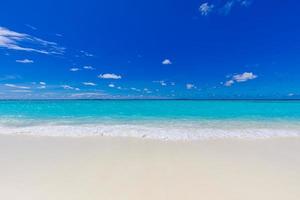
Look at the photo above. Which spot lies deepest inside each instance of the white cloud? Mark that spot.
(74, 69)
(109, 76)
(147, 90)
(240, 78)
(111, 85)
(16, 86)
(87, 54)
(291, 94)
(42, 87)
(23, 42)
(205, 8)
(229, 83)
(89, 84)
(67, 87)
(190, 86)
(135, 89)
(166, 62)
(162, 83)
(25, 61)
(244, 77)
(87, 67)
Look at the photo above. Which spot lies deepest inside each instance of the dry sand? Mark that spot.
(94, 168)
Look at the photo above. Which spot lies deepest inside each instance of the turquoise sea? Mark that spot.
(157, 119)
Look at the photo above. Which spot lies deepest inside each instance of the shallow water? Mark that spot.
(157, 119)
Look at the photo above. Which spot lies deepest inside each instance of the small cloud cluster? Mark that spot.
(67, 87)
(162, 82)
(109, 76)
(86, 54)
(206, 8)
(240, 78)
(86, 67)
(135, 89)
(190, 86)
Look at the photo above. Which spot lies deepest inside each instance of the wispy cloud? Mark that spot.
(31, 27)
(21, 91)
(89, 83)
(111, 85)
(109, 76)
(25, 61)
(206, 8)
(24, 42)
(16, 86)
(9, 77)
(88, 95)
(227, 7)
(223, 9)
(166, 62)
(68, 87)
(246, 76)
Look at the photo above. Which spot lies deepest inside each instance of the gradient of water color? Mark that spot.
(156, 119)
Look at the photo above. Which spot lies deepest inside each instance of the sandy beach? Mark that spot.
(34, 168)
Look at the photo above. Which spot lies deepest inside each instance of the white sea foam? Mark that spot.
(161, 131)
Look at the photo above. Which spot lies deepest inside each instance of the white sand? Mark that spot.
(95, 168)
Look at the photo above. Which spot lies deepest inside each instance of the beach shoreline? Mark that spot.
(129, 168)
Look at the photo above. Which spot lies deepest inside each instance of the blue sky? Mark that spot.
(153, 49)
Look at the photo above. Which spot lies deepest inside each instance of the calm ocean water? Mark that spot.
(161, 119)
